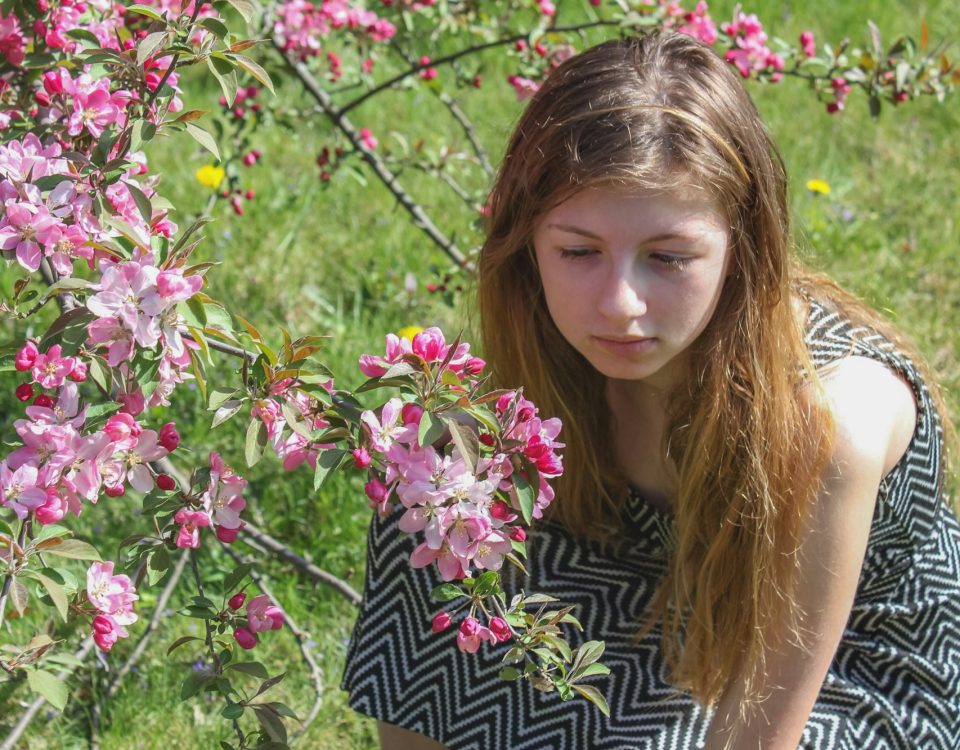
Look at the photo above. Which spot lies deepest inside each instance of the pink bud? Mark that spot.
(440, 622)
(24, 391)
(79, 372)
(249, 159)
(469, 626)
(245, 638)
(169, 438)
(411, 414)
(42, 98)
(44, 400)
(376, 490)
(133, 403)
(500, 510)
(361, 458)
(53, 510)
(276, 617)
(249, 195)
(500, 629)
(228, 536)
(116, 490)
(517, 534)
(166, 482)
(26, 357)
(236, 601)
(121, 427)
(474, 366)
(102, 625)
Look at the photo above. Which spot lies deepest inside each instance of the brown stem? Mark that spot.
(446, 59)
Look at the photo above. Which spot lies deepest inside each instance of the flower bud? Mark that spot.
(227, 536)
(24, 391)
(236, 601)
(361, 458)
(116, 490)
(169, 438)
(411, 414)
(500, 629)
(26, 357)
(166, 482)
(79, 372)
(44, 400)
(500, 510)
(122, 427)
(469, 626)
(102, 625)
(518, 534)
(376, 490)
(440, 622)
(245, 638)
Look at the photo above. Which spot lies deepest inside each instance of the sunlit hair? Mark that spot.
(748, 431)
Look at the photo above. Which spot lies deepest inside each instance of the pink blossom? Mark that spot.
(262, 614)
(700, 25)
(384, 431)
(525, 87)
(54, 509)
(471, 634)
(50, 369)
(109, 593)
(175, 287)
(11, 40)
(190, 524)
(367, 138)
(123, 429)
(23, 229)
(19, 490)
(808, 43)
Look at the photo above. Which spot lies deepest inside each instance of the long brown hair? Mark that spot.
(749, 439)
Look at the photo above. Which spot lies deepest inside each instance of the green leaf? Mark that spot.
(593, 670)
(255, 70)
(46, 684)
(252, 668)
(214, 26)
(141, 132)
(219, 395)
(73, 549)
(267, 684)
(327, 462)
(57, 594)
(236, 577)
(225, 412)
(447, 592)
(145, 10)
(232, 711)
(149, 44)
(69, 327)
(467, 442)
(202, 137)
(225, 74)
(142, 202)
(586, 655)
(256, 440)
(526, 496)
(594, 696)
(246, 8)
(194, 684)
(101, 374)
(282, 709)
(431, 428)
(509, 673)
(181, 641)
(271, 722)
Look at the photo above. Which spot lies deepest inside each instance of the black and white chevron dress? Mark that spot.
(893, 685)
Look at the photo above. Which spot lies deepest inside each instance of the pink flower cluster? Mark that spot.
(301, 25)
(467, 514)
(262, 614)
(292, 447)
(471, 633)
(749, 52)
(136, 305)
(220, 506)
(430, 346)
(113, 597)
(58, 466)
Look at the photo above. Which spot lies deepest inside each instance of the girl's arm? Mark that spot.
(875, 417)
(393, 737)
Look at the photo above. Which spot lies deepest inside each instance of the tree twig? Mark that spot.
(380, 169)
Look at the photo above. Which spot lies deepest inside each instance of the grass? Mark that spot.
(338, 258)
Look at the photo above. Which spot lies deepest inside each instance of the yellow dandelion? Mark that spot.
(408, 332)
(210, 176)
(818, 186)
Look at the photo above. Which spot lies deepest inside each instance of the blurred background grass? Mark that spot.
(342, 259)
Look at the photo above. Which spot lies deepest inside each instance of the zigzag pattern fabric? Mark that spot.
(893, 685)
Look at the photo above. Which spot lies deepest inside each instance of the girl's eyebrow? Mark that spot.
(663, 237)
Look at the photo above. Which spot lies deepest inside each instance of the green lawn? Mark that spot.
(337, 260)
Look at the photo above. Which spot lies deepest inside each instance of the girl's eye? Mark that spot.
(673, 262)
(575, 253)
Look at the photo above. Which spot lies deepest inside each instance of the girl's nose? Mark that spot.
(623, 296)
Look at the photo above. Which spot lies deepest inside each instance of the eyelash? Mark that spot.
(672, 262)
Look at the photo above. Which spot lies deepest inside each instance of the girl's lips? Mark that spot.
(625, 346)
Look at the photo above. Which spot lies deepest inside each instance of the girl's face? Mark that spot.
(632, 278)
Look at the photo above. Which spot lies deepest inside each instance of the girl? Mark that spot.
(752, 512)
